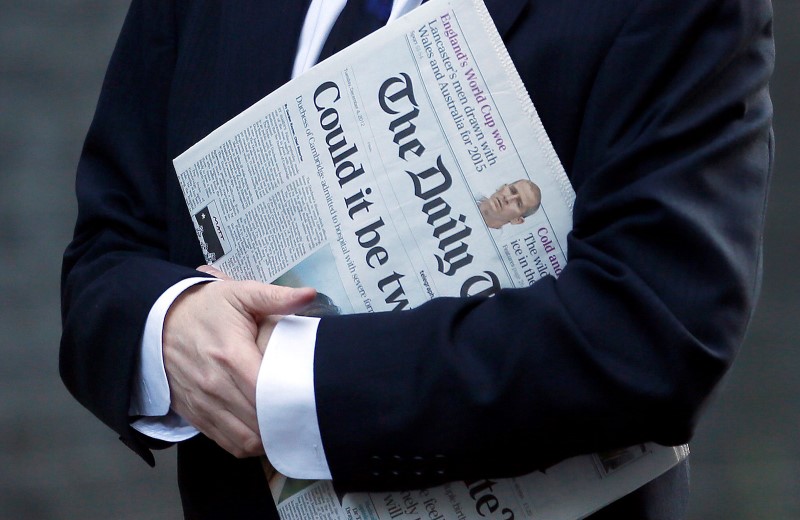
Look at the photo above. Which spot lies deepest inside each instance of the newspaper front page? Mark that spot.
(409, 166)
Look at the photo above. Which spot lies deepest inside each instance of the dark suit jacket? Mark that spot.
(659, 112)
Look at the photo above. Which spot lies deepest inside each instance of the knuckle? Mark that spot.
(227, 361)
(253, 445)
(207, 384)
(247, 445)
(237, 452)
(232, 448)
(218, 355)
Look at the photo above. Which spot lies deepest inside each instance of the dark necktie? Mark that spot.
(358, 19)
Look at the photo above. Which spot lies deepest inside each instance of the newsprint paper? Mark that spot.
(377, 178)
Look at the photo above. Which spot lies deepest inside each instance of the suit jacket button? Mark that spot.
(418, 466)
(396, 465)
(439, 463)
(376, 465)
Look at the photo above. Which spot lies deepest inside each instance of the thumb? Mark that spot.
(261, 300)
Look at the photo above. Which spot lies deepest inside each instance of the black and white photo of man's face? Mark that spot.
(510, 204)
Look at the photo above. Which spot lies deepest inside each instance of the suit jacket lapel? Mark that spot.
(505, 13)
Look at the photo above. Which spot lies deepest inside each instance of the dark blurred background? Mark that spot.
(57, 461)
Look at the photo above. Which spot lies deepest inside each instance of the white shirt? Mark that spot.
(285, 403)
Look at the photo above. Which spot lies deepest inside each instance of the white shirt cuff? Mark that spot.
(285, 403)
(150, 394)
(171, 427)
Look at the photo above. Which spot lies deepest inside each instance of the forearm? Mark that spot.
(671, 171)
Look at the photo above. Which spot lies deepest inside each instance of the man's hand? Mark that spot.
(266, 326)
(212, 358)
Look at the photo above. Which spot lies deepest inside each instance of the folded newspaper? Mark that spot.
(410, 165)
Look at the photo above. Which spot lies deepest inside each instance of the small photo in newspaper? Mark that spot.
(319, 271)
(211, 233)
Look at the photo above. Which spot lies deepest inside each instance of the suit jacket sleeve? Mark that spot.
(670, 165)
(116, 266)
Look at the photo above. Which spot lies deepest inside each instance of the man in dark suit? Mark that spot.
(660, 114)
